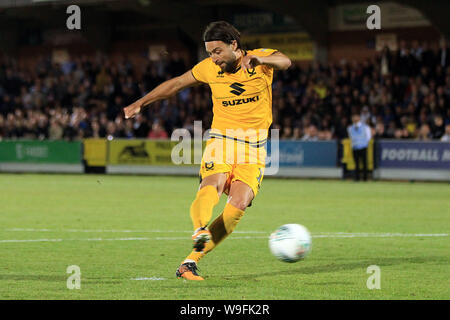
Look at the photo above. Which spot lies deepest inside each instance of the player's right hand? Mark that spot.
(132, 110)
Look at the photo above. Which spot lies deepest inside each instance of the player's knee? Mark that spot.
(239, 203)
(216, 181)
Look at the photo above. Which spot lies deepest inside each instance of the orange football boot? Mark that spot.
(188, 271)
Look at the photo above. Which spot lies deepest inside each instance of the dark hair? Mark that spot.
(222, 31)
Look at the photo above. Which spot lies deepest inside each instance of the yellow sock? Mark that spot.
(202, 206)
(220, 228)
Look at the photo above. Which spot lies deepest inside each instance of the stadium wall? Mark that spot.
(413, 160)
(388, 159)
(41, 156)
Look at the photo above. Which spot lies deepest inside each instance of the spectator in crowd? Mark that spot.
(386, 61)
(446, 136)
(438, 127)
(424, 133)
(402, 92)
(380, 132)
(360, 135)
(157, 131)
(444, 54)
(55, 131)
(311, 133)
(296, 133)
(287, 132)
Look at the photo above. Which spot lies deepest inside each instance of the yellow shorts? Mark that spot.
(243, 162)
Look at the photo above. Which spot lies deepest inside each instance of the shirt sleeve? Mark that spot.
(263, 52)
(200, 70)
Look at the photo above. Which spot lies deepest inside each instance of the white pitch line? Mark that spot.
(358, 235)
(59, 240)
(378, 235)
(373, 233)
(114, 239)
(314, 235)
(32, 240)
(114, 231)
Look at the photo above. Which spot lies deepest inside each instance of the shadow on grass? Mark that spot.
(335, 283)
(32, 277)
(52, 278)
(333, 267)
(93, 281)
(297, 269)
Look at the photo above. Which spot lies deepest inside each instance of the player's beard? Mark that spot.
(231, 65)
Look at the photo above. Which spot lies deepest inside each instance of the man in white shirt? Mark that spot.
(360, 134)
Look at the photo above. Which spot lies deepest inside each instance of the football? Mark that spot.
(290, 242)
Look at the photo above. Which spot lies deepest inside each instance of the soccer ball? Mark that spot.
(290, 242)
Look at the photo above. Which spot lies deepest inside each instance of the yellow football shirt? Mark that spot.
(241, 100)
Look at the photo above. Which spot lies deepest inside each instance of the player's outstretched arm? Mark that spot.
(277, 60)
(163, 91)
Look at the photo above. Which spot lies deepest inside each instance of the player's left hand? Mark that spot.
(250, 61)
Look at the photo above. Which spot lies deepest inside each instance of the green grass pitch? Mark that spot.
(121, 228)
